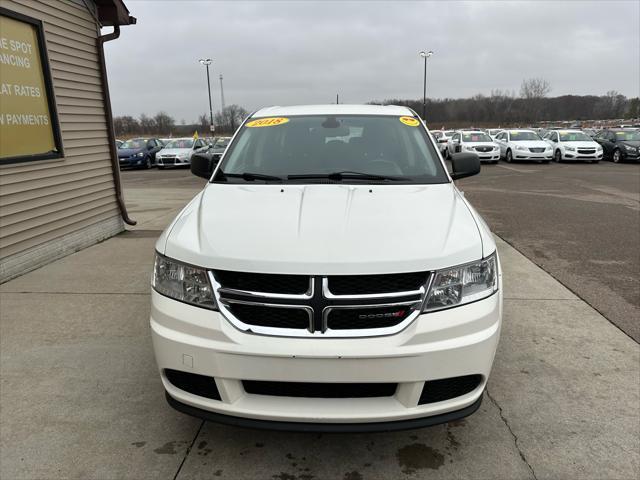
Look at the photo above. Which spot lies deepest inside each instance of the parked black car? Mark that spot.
(214, 151)
(619, 144)
(139, 152)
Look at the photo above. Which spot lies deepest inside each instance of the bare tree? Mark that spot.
(164, 122)
(203, 122)
(534, 88)
(147, 124)
(231, 117)
(126, 125)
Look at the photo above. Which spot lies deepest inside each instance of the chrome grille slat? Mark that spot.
(319, 302)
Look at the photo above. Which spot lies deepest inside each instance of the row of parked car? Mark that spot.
(168, 152)
(492, 145)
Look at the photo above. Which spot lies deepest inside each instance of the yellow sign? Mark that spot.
(25, 121)
(267, 122)
(412, 122)
(195, 135)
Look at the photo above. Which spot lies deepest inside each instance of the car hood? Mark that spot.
(174, 151)
(324, 229)
(481, 144)
(127, 152)
(633, 143)
(531, 143)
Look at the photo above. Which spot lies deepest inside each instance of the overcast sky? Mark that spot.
(297, 52)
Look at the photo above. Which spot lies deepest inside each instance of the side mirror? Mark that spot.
(201, 167)
(464, 164)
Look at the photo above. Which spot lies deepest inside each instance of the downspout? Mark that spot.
(115, 163)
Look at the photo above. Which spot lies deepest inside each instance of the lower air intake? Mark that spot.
(448, 388)
(200, 385)
(320, 390)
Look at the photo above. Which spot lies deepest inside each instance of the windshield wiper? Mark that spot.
(344, 175)
(252, 176)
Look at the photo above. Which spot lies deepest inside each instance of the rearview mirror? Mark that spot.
(464, 164)
(201, 166)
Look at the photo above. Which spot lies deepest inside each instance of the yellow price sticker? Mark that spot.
(412, 122)
(267, 122)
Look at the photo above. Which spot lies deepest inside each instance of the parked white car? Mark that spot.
(523, 145)
(330, 276)
(477, 142)
(573, 145)
(178, 152)
(493, 132)
(443, 141)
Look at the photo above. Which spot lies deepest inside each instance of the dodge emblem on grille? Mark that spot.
(397, 314)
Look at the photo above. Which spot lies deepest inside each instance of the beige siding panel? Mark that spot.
(81, 110)
(24, 200)
(40, 201)
(61, 59)
(60, 228)
(61, 30)
(68, 215)
(19, 221)
(57, 67)
(82, 21)
(20, 182)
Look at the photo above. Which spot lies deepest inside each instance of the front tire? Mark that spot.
(147, 163)
(509, 156)
(617, 156)
(557, 156)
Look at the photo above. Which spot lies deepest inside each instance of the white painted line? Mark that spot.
(517, 169)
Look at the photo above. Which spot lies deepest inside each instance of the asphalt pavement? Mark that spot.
(579, 222)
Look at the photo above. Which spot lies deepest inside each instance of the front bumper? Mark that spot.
(582, 156)
(172, 161)
(132, 161)
(527, 155)
(450, 343)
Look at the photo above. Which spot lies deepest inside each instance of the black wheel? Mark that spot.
(147, 163)
(617, 156)
(509, 156)
(557, 156)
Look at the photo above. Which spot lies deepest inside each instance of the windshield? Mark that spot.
(517, 136)
(494, 131)
(475, 137)
(373, 145)
(133, 143)
(449, 133)
(628, 136)
(222, 142)
(574, 137)
(180, 144)
(436, 134)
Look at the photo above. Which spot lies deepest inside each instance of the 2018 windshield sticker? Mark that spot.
(267, 122)
(412, 122)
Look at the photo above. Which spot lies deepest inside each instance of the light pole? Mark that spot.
(206, 62)
(425, 55)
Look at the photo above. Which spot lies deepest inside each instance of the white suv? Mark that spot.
(330, 277)
(179, 152)
(523, 145)
(573, 145)
(475, 141)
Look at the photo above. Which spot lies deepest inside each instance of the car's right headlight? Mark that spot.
(456, 286)
(570, 149)
(183, 282)
(521, 147)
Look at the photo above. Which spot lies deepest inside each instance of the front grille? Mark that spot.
(339, 305)
(587, 151)
(320, 390)
(376, 284)
(537, 150)
(356, 318)
(200, 385)
(484, 149)
(448, 388)
(267, 316)
(260, 282)
(168, 160)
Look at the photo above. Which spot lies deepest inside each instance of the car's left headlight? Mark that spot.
(141, 154)
(468, 148)
(629, 148)
(183, 282)
(456, 286)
